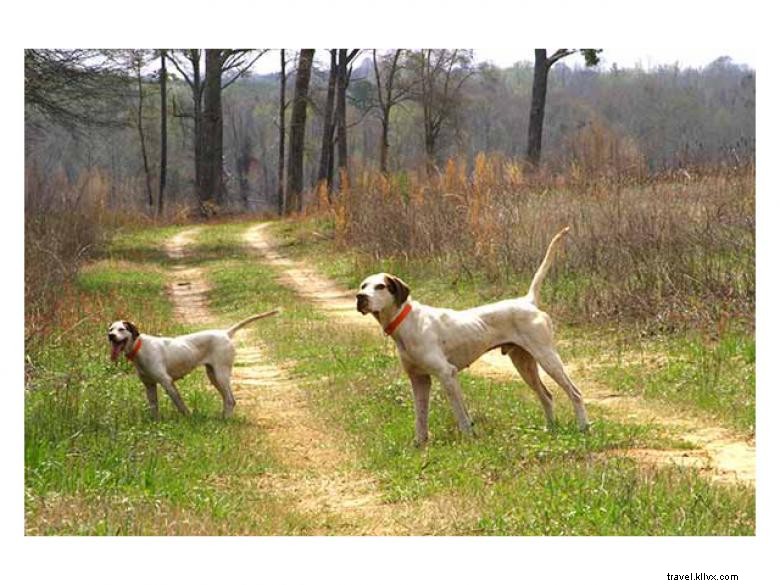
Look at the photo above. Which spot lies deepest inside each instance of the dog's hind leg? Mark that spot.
(170, 388)
(529, 370)
(552, 364)
(220, 378)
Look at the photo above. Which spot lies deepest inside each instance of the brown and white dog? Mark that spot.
(441, 342)
(163, 360)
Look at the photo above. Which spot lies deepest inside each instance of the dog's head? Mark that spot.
(121, 334)
(379, 291)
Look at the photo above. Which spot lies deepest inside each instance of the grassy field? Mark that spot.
(708, 372)
(96, 464)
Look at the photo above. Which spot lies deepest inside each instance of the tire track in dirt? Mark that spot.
(719, 454)
(320, 479)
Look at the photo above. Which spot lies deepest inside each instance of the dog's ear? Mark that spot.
(132, 328)
(398, 288)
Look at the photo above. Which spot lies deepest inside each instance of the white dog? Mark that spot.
(163, 360)
(441, 342)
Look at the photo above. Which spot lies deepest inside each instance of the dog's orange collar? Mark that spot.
(134, 351)
(398, 320)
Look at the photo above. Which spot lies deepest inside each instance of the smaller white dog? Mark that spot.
(163, 360)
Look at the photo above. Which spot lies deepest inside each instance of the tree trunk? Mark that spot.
(140, 122)
(163, 132)
(212, 188)
(341, 118)
(282, 108)
(538, 99)
(326, 153)
(197, 115)
(298, 132)
(385, 145)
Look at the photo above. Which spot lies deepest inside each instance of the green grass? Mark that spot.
(95, 462)
(515, 477)
(706, 373)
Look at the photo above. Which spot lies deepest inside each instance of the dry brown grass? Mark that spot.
(664, 249)
(67, 221)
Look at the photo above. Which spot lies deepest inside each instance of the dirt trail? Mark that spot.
(320, 477)
(719, 454)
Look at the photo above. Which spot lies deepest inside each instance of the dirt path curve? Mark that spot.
(719, 454)
(320, 479)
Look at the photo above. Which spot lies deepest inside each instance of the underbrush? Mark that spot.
(671, 252)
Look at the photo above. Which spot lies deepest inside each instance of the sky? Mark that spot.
(625, 58)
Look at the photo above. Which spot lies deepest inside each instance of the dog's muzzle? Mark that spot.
(362, 303)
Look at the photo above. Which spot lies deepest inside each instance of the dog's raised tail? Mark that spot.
(536, 283)
(230, 332)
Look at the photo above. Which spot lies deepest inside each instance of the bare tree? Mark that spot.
(325, 173)
(282, 108)
(542, 65)
(138, 59)
(440, 74)
(294, 200)
(163, 131)
(223, 68)
(389, 94)
(344, 71)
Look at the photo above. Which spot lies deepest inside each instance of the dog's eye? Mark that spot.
(364, 285)
(379, 287)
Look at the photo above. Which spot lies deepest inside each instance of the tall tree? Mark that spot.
(294, 199)
(223, 68)
(211, 187)
(389, 94)
(282, 108)
(344, 71)
(163, 131)
(325, 173)
(542, 65)
(440, 74)
(138, 59)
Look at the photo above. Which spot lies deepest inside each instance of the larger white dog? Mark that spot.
(441, 342)
(163, 360)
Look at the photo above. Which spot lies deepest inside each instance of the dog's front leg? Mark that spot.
(421, 388)
(151, 396)
(449, 380)
(174, 394)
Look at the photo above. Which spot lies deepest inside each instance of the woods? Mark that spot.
(397, 111)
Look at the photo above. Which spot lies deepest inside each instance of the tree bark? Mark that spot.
(282, 108)
(212, 187)
(163, 132)
(298, 132)
(326, 153)
(341, 117)
(140, 123)
(538, 99)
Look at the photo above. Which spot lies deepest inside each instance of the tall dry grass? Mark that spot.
(663, 250)
(66, 222)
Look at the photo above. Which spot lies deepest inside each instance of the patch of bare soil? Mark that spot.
(321, 478)
(719, 453)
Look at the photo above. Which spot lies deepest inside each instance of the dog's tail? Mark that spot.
(232, 331)
(536, 283)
